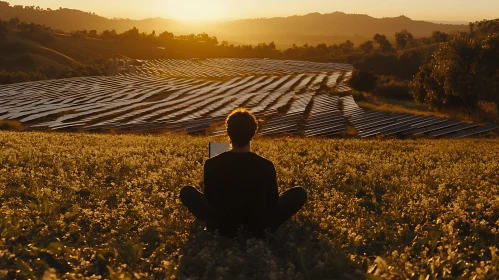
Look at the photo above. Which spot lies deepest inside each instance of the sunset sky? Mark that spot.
(442, 10)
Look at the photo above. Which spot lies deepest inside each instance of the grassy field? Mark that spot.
(106, 206)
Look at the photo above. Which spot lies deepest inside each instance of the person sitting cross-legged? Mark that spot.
(241, 187)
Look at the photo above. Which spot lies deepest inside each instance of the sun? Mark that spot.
(197, 10)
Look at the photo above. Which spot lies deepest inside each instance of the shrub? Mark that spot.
(11, 125)
(390, 87)
(362, 80)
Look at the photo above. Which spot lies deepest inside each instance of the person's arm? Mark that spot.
(272, 191)
(210, 185)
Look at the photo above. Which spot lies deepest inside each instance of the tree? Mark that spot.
(3, 30)
(4, 5)
(462, 72)
(486, 27)
(347, 47)
(367, 46)
(166, 36)
(106, 34)
(272, 46)
(132, 34)
(92, 33)
(384, 44)
(402, 38)
(381, 64)
(439, 37)
(14, 22)
(363, 80)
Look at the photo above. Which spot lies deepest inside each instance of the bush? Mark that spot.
(363, 80)
(11, 125)
(383, 86)
(379, 63)
(390, 87)
(7, 77)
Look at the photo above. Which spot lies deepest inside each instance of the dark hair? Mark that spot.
(241, 126)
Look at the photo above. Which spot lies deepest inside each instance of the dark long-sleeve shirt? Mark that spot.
(242, 188)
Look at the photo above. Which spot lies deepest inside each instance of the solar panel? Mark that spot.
(474, 131)
(452, 129)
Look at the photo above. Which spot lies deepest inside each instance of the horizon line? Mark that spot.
(187, 21)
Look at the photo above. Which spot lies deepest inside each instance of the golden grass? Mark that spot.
(392, 108)
(486, 113)
(351, 130)
(368, 101)
(95, 206)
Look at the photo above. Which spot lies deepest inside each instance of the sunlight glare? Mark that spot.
(197, 10)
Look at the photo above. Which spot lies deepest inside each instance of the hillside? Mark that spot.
(391, 209)
(71, 20)
(313, 28)
(32, 53)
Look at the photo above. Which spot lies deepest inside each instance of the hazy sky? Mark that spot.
(442, 10)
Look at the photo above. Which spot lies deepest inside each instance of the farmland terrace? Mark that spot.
(193, 96)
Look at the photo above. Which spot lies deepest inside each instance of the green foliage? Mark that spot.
(76, 70)
(393, 88)
(392, 71)
(439, 37)
(166, 36)
(3, 29)
(362, 80)
(14, 22)
(484, 28)
(403, 38)
(377, 210)
(380, 85)
(404, 65)
(463, 72)
(384, 44)
(379, 63)
(367, 46)
(8, 77)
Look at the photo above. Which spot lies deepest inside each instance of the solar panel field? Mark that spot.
(291, 97)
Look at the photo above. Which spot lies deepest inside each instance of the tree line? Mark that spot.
(445, 71)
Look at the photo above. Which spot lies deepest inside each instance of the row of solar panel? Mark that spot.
(207, 68)
(374, 123)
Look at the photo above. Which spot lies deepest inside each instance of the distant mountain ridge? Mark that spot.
(339, 23)
(312, 28)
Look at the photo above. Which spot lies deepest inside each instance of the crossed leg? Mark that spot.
(290, 202)
(195, 201)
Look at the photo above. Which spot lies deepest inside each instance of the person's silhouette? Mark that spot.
(241, 186)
